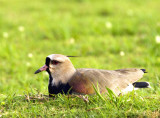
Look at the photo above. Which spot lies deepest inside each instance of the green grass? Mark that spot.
(77, 27)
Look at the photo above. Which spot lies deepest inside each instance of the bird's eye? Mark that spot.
(54, 62)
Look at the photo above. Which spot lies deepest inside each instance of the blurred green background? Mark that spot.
(106, 34)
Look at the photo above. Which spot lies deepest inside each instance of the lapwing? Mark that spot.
(65, 79)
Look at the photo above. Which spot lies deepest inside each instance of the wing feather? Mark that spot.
(117, 80)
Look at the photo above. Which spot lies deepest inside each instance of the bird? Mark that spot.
(65, 79)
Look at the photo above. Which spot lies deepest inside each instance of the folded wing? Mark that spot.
(117, 80)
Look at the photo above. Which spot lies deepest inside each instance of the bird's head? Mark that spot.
(58, 67)
(56, 63)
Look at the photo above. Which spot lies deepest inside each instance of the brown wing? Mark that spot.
(117, 80)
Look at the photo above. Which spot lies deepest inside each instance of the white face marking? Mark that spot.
(53, 82)
(51, 56)
(58, 57)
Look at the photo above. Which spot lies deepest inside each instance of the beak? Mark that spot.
(43, 68)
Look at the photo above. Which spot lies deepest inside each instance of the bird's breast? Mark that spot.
(55, 87)
(60, 88)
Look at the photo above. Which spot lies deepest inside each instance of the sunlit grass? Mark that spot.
(105, 34)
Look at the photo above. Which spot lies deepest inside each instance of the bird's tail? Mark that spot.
(141, 85)
(136, 86)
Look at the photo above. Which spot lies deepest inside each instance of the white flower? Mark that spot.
(72, 40)
(21, 28)
(5, 35)
(108, 25)
(158, 39)
(30, 55)
(28, 64)
(122, 53)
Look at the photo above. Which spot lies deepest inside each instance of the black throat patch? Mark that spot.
(55, 89)
(60, 88)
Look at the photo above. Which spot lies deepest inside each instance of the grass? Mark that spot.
(95, 30)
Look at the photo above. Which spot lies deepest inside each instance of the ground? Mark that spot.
(105, 34)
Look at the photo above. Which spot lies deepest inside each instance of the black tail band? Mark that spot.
(141, 85)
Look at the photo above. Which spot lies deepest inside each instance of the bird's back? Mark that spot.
(117, 80)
